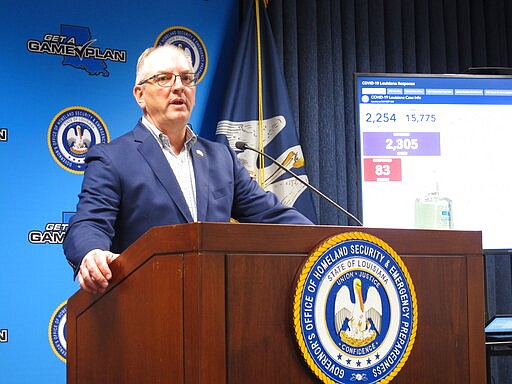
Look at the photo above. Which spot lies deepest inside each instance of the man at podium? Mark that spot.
(160, 173)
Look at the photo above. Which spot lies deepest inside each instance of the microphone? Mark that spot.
(243, 146)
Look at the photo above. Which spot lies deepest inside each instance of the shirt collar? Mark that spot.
(163, 140)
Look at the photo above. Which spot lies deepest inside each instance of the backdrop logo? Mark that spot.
(3, 134)
(53, 232)
(355, 311)
(57, 331)
(191, 43)
(4, 335)
(75, 44)
(72, 132)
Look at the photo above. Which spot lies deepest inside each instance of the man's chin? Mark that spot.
(179, 117)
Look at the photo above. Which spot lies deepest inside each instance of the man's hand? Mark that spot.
(94, 273)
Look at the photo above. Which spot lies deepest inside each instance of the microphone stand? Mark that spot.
(243, 146)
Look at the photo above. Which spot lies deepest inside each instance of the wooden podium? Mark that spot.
(212, 303)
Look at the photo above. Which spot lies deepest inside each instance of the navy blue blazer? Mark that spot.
(129, 187)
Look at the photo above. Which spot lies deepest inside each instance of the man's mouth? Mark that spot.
(178, 102)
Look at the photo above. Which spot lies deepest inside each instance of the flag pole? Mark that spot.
(261, 144)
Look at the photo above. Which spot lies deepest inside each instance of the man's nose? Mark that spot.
(177, 82)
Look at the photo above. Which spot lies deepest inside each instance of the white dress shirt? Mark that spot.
(181, 164)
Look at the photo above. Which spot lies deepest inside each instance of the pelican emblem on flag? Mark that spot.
(287, 189)
(257, 111)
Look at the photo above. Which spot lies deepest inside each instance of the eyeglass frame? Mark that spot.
(174, 79)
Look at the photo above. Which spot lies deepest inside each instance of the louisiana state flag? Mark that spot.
(257, 111)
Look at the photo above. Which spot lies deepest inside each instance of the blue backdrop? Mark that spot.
(79, 58)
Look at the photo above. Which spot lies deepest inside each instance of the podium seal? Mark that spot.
(355, 312)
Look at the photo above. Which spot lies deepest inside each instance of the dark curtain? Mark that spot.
(323, 43)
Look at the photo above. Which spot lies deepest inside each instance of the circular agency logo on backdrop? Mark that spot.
(72, 132)
(355, 312)
(57, 331)
(191, 43)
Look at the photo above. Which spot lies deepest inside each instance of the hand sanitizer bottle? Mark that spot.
(433, 211)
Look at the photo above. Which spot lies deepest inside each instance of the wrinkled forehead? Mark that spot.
(167, 59)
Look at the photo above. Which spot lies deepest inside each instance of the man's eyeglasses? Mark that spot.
(188, 79)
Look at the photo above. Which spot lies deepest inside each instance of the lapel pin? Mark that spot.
(199, 152)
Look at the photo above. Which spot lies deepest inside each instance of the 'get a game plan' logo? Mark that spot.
(355, 311)
(78, 49)
(53, 233)
(4, 335)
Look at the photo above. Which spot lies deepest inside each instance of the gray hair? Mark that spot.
(144, 55)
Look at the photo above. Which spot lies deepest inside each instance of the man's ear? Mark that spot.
(138, 93)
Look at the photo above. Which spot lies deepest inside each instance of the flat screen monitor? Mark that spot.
(435, 151)
(499, 328)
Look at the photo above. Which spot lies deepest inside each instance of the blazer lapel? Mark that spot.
(202, 177)
(152, 152)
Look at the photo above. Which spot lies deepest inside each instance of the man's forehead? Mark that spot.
(161, 59)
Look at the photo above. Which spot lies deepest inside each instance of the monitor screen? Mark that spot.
(500, 324)
(435, 151)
